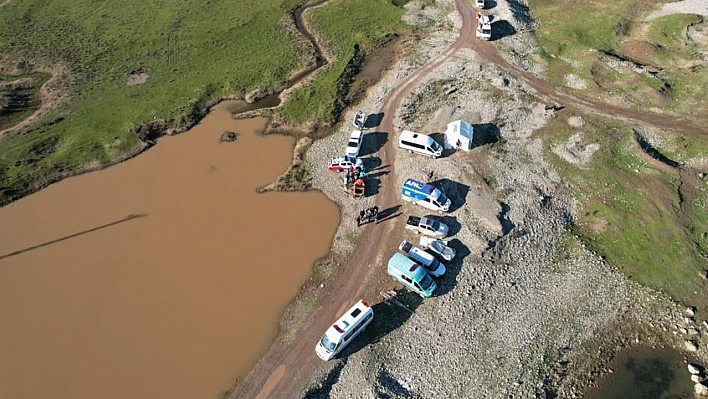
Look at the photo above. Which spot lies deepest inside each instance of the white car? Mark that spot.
(484, 27)
(354, 144)
(428, 261)
(340, 164)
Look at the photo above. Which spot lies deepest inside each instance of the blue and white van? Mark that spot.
(411, 274)
(344, 330)
(425, 195)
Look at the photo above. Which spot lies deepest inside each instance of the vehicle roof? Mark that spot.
(405, 246)
(345, 322)
(356, 134)
(428, 221)
(415, 135)
(415, 251)
(418, 185)
(404, 264)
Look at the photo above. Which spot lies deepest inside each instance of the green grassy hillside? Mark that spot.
(192, 51)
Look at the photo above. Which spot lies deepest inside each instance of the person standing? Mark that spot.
(358, 221)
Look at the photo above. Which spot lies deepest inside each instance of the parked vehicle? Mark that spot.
(344, 330)
(427, 226)
(411, 275)
(428, 261)
(354, 144)
(419, 143)
(484, 27)
(438, 247)
(360, 120)
(425, 195)
(359, 188)
(344, 163)
(479, 4)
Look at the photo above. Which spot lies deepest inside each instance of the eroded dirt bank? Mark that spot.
(164, 276)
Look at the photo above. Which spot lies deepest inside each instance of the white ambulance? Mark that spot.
(344, 330)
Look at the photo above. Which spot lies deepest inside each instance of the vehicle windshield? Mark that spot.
(426, 282)
(327, 344)
(486, 31)
(434, 224)
(442, 199)
(436, 146)
(351, 144)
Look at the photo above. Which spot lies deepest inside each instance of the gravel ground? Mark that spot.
(699, 7)
(525, 310)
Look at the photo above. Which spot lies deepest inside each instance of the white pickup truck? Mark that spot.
(427, 226)
(484, 27)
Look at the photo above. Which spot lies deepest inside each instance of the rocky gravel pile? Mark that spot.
(525, 310)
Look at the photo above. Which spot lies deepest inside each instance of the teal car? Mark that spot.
(411, 274)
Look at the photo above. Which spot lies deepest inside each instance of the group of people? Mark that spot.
(351, 175)
(365, 215)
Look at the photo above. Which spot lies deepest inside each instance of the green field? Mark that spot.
(343, 24)
(193, 51)
(579, 37)
(629, 210)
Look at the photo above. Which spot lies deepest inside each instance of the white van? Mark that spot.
(344, 330)
(425, 195)
(420, 143)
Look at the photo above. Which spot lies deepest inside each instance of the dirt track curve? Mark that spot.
(570, 98)
(284, 371)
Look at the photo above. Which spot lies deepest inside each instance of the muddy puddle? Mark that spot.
(161, 277)
(645, 373)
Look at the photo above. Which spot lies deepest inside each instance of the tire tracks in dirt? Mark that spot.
(568, 98)
(286, 369)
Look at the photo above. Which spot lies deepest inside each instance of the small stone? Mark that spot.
(691, 311)
(322, 285)
(692, 331)
(703, 274)
(228, 136)
(700, 389)
(705, 324)
(697, 378)
(694, 368)
(691, 346)
(683, 330)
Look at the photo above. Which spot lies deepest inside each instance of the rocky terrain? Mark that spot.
(525, 310)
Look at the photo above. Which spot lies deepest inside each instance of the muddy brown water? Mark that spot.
(645, 373)
(161, 277)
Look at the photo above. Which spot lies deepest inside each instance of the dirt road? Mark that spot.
(567, 97)
(285, 370)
